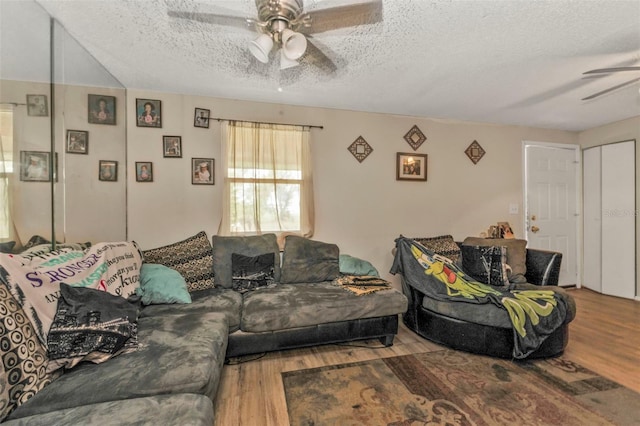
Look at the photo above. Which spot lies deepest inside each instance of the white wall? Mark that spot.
(616, 132)
(359, 206)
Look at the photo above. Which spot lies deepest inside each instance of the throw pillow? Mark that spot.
(516, 254)
(7, 247)
(160, 284)
(224, 247)
(486, 264)
(23, 371)
(192, 258)
(350, 265)
(90, 325)
(444, 245)
(251, 273)
(34, 280)
(309, 261)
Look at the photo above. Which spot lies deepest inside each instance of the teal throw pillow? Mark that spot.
(160, 284)
(350, 265)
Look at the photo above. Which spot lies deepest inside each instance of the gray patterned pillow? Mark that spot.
(192, 257)
(486, 264)
(444, 245)
(224, 247)
(24, 361)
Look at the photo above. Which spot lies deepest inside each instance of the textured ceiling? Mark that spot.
(504, 61)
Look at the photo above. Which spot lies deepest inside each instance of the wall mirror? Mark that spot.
(63, 114)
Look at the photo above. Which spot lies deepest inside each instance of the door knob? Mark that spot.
(533, 217)
(534, 229)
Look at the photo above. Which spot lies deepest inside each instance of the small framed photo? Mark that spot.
(37, 106)
(102, 109)
(172, 146)
(148, 113)
(411, 166)
(201, 118)
(34, 166)
(144, 171)
(77, 142)
(108, 171)
(202, 171)
(505, 231)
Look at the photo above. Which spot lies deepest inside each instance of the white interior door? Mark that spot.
(551, 203)
(618, 219)
(592, 202)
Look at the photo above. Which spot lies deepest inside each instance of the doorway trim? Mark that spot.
(579, 210)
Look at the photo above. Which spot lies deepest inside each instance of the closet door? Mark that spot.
(592, 194)
(618, 219)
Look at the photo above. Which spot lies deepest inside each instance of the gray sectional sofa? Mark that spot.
(174, 375)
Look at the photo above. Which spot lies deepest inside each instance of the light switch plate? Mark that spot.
(513, 208)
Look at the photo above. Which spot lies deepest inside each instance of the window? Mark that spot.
(6, 169)
(268, 186)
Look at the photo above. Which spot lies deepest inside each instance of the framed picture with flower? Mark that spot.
(148, 113)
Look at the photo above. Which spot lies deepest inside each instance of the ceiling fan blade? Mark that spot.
(212, 18)
(611, 89)
(614, 69)
(344, 16)
(317, 57)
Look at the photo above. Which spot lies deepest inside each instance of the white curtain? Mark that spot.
(268, 183)
(8, 231)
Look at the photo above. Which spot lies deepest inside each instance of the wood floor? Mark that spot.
(604, 337)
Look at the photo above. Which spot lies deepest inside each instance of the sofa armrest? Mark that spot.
(543, 267)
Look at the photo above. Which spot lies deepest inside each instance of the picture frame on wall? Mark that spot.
(102, 109)
(201, 118)
(37, 106)
(172, 146)
(108, 171)
(202, 171)
(77, 142)
(148, 113)
(144, 171)
(411, 166)
(34, 166)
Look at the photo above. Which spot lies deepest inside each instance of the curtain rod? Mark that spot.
(264, 122)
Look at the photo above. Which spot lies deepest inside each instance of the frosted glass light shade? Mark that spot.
(286, 62)
(293, 44)
(260, 47)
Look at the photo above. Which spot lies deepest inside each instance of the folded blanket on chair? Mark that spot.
(534, 314)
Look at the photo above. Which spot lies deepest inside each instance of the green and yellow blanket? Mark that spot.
(534, 314)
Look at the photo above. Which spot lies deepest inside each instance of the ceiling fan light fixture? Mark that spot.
(260, 47)
(293, 44)
(285, 62)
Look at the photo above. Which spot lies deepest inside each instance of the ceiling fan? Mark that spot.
(286, 25)
(608, 71)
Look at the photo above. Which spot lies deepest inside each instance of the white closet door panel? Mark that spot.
(618, 219)
(592, 277)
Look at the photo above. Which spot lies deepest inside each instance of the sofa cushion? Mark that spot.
(160, 284)
(34, 280)
(309, 261)
(191, 257)
(444, 245)
(90, 325)
(177, 354)
(23, 372)
(304, 304)
(252, 272)
(350, 265)
(486, 264)
(181, 409)
(516, 254)
(224, 247)
(7, 247)
(221, 300)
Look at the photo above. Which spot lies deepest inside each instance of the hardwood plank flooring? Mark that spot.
(604, 338)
